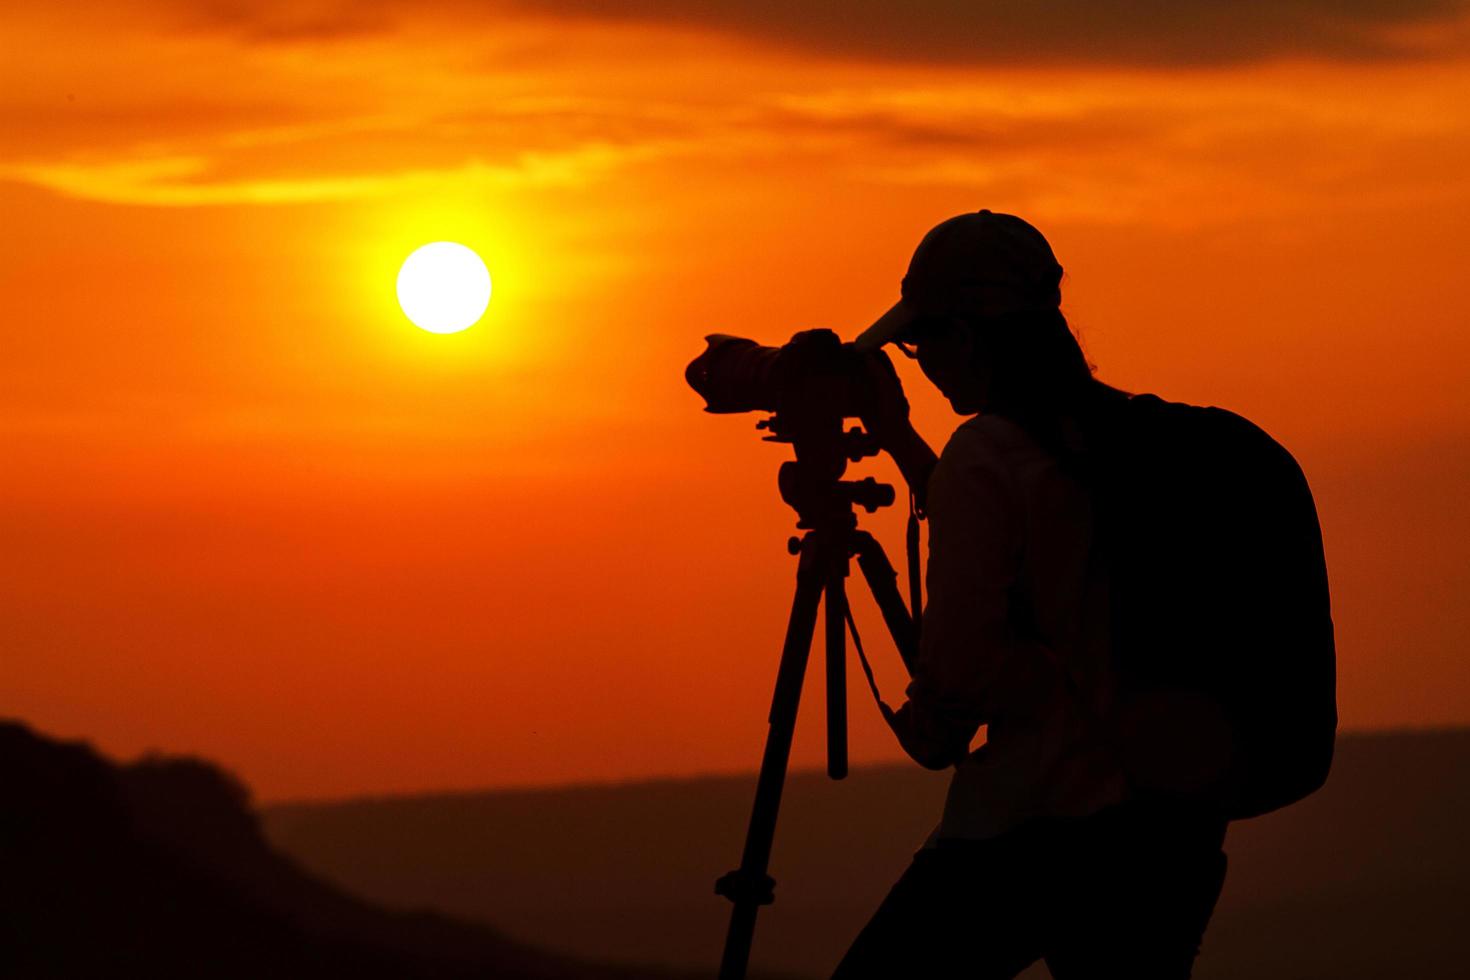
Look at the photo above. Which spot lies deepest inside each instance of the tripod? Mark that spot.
(825, 503)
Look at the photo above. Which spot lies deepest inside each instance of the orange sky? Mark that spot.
(250, 512)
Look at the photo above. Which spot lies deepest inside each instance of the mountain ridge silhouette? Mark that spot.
(160, 868)
(1365, 879)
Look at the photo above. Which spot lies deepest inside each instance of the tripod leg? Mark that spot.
(749, 887)
(836, 623)
(883, 582)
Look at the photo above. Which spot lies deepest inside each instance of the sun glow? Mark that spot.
(443, 287)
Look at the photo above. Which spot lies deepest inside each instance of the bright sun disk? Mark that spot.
(443, 287)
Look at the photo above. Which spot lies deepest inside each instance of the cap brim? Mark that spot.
(887, 327)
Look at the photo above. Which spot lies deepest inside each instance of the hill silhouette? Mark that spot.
(1369, 878)
(159, 869)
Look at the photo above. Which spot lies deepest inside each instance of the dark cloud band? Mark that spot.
(1148, 33)
(1129, 32)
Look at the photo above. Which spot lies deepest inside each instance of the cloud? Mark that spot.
(1047, 32)
(1153, 33)
(379, 99)
(186, 181)
(274, 21)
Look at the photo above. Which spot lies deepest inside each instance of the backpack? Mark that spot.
(1220, 623)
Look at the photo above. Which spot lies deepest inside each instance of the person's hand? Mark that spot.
(885, 410)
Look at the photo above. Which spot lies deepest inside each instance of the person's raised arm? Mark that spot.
(886, 418)
(915, 461)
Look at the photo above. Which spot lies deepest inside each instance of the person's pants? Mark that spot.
(1124, 893)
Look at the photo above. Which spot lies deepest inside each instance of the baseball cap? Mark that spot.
(976, 264)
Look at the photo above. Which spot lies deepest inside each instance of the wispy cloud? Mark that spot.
(269, 103)
(188, 181)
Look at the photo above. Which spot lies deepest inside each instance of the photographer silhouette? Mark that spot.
(1128, 595)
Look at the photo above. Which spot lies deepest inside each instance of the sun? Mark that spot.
(443, 287)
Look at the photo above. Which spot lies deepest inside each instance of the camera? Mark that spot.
(815, 374)
(810, 385)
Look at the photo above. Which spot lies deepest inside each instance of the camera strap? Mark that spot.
(916, 580)
(857, 644)
(916, 605)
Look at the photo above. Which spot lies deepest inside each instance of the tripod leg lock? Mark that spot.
(742, 887)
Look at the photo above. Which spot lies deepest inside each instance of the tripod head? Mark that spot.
(812, 483)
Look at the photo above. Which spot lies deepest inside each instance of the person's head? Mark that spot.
(980, 309)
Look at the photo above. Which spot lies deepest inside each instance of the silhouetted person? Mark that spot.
(1127, 594)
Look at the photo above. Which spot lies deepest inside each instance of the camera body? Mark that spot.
(810, 386)
(815, 374)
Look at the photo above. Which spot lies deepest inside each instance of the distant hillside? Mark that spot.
(1370, 878)
(159, 870)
